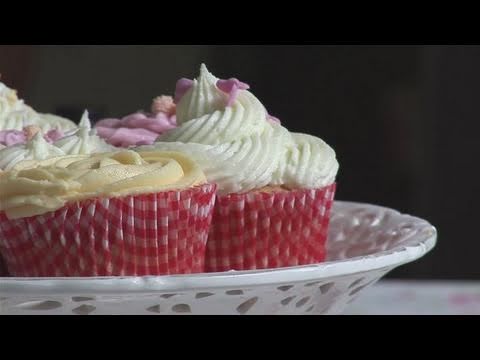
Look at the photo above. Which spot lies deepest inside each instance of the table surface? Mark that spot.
(399, 297)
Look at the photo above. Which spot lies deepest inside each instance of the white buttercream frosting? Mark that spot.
(238, 148)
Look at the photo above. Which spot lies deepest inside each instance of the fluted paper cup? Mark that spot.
(261, 230)
(155, 234)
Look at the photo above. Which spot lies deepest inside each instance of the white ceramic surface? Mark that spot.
(365, 242)
(419, 297)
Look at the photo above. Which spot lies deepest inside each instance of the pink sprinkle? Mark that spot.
(183, 85)
(53, 135)
(232, 86)
(163, 104)
(12, 137)
(273, 119)
(124, 137)
(158, 123)
(135, 129)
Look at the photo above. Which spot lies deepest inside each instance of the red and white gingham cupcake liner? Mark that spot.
(259, 230)
(154, 234)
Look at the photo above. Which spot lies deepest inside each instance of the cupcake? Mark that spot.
(139, 128)
(275, 188)
(123, 213)
(15, 114)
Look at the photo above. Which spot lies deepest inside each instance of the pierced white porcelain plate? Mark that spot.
(365, 242)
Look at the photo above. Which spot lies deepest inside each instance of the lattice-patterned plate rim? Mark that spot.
(422, 240)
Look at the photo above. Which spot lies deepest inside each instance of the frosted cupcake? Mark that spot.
(15, 114)
(139, 128)
(121, 213)
(275, 188)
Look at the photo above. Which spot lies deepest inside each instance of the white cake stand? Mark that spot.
(365, 243)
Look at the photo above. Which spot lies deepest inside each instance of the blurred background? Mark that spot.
(404, 120)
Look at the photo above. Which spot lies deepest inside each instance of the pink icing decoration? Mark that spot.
(273, 119)
(54, 135)
(158, 123)
(124, 137)
(163, 104)
(232, 86)
(135, 129)
(12, 137)
(183, 85)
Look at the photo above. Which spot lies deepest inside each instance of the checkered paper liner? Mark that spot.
(260, 230)
(154, 234)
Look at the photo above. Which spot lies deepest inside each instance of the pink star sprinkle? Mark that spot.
(232, 87)
(163, 104)
(183, 85)
(273, 119)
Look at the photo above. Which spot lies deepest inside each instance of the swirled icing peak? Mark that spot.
(239, 146)
(84, 140)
